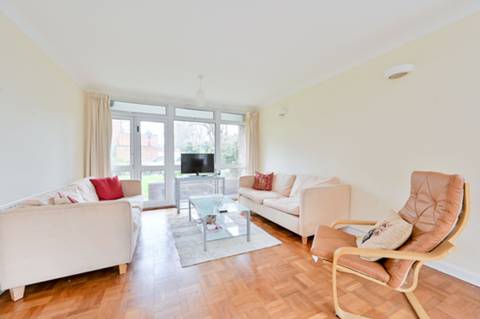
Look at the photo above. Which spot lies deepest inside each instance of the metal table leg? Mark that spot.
(189, 210)
(204, 221)
(248, 225)
(177, 195)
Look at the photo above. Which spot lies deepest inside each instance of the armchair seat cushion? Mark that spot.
(256, 195)
(328, 239)
(287, 205)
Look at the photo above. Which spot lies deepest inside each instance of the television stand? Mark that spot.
(197, 178)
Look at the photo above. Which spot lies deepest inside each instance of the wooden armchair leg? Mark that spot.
(122, 268)
(17, 293)
(338, 310)
(416, 305)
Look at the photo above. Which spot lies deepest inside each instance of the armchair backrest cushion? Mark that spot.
(433, 208)
(282, 183)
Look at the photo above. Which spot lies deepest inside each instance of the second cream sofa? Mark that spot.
(298, 203)
(40, 243)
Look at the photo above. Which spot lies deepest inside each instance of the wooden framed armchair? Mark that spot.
(438, 208)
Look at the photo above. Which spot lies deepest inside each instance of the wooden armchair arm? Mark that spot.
(346, 222)
(438, 253)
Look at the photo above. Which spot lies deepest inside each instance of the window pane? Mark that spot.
(193, 137)
(122, 175)
(194, 113)
(231, 179)
(120, 152)
(138, 108)
(232, 117)
(153, 143)
(232, 144)
(153, 185)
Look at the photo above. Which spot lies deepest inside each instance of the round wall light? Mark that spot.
(398, 71)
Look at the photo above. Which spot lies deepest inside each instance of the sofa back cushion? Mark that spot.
(86, 189)
(306, 181)
(433, 208)
(282, 183)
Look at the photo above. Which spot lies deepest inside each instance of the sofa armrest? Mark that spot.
(246, 181)
(131, 187)
(47, 242)
(322, 205)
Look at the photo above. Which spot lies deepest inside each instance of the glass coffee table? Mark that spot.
(219, 217)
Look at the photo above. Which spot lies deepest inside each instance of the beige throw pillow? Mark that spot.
(282, 183)
(390, 233)
(31, 202)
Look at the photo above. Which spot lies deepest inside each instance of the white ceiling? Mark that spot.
(250, 51)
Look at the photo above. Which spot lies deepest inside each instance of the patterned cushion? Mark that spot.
(390, 233)
(263, 182)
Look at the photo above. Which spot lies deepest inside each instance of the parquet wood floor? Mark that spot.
(278, 282)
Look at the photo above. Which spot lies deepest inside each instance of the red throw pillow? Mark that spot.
(107, 188)
(263, 182)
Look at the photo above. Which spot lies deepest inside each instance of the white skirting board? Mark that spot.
(447, 268)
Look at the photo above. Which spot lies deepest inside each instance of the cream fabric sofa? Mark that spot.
(298, 203)
(39, 243)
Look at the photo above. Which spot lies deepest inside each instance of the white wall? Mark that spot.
(41, 119)
(373, 132)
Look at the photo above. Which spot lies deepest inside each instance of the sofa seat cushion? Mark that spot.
(257, 196)
(287, 205)
(135, 201)
(328, 239)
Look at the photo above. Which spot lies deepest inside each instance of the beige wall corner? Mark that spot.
(373, 132)
(41, 122)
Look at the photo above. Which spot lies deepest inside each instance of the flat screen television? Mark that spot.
(197, 163)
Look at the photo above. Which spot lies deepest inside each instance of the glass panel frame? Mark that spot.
(193, 146)
(232, 117)
(119, 106)
(153, 182)
(182, 112)
(232, 135)
(152, 142)
(121, 142)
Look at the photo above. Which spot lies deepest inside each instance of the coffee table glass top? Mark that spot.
(234, 222)
(207, 205)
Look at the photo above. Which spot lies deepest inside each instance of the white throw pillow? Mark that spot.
(390, 233)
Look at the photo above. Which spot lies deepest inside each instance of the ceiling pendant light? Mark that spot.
(201, 101)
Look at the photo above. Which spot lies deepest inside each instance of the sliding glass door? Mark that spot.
(138, 152)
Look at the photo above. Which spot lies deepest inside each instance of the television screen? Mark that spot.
(197, 163)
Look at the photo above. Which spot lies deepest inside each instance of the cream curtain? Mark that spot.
(98, 135)
(251, 139)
